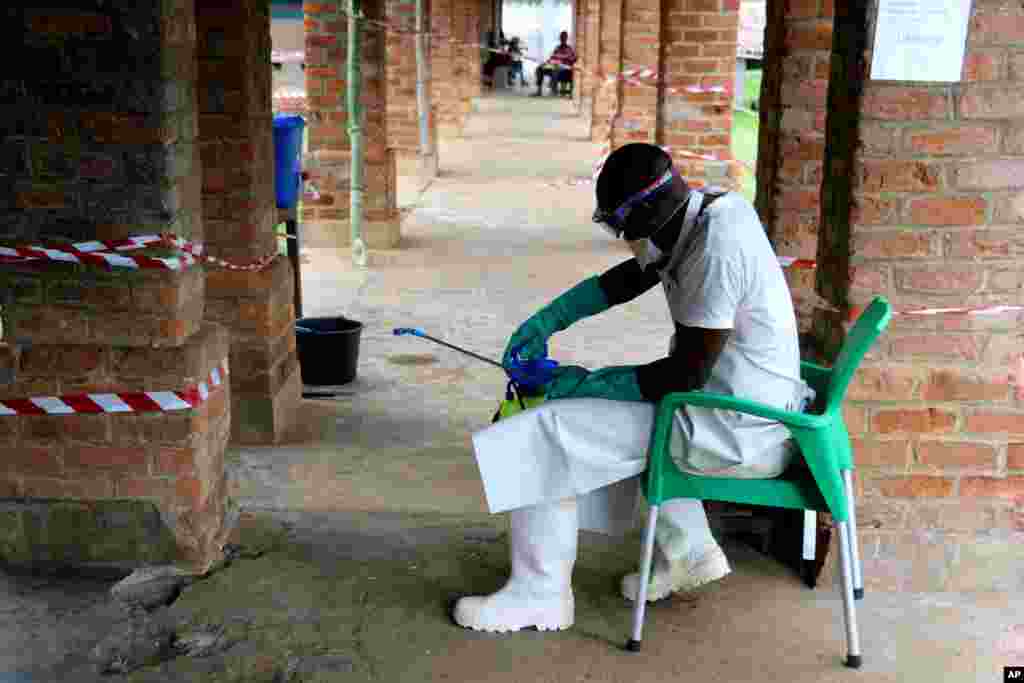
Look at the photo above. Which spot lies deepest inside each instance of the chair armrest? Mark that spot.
(659, 459)
(706, 399)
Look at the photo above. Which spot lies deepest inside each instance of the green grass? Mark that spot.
(744, 130)
(751, 89)
(744, 147)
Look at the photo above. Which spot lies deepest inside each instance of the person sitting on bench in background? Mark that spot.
(515, 53)
(559, 65)
(495, 56)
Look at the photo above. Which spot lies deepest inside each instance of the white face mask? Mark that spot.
(645, 251)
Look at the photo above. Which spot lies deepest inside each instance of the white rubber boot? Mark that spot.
(686, 554)
(539, 591)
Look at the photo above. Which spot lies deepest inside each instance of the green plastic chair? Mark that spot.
(825, 485)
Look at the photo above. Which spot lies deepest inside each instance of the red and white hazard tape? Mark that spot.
(605, 153)
(110, 254)
(641, 75)
(122, 402)
(797, 263)
(997, 309)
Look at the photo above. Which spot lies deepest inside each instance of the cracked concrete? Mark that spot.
(359, 530)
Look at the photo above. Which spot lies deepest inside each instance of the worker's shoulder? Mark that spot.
(731, 211)
(732, 221)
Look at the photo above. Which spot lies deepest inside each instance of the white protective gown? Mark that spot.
(722, 274)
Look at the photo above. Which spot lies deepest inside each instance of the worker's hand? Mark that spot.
(530, 340)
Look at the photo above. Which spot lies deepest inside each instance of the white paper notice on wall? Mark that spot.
(920, 40)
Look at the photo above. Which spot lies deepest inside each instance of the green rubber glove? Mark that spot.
(582, 301)
(616, 383)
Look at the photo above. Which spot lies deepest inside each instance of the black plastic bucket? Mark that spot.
(328, 350)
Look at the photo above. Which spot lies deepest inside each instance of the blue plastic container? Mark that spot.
(288, 159)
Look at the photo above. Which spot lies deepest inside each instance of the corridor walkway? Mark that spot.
(488, 243)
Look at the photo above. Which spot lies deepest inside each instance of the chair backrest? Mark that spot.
(869, 326)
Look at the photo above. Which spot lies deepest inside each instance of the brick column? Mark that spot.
(607, 94)
(689, 43)
(447, 88)
(485, 21)
(329, 160)
(798, 44)
(934, 175)
(589, 49)
(402, 108)
(236, 142)
(109, 153)
(641, 46)
(469, 66)
(578, 39)
(699, 49)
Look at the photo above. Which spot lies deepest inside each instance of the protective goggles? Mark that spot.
(614, 222)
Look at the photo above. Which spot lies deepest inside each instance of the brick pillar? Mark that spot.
(641, 46)
(486, 21)
(589, 48)
(607, 94)
(471, 82)
(922, 203)
(447, 88)
(798, 44)
(109, 154)
(578, 39)
(699, 49)
(402, 108)
(689, 43)
(236, 143)
(329, 159)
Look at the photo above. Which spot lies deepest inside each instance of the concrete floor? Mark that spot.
(371, 517)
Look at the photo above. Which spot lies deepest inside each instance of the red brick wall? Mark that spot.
(689, 42)
(935, 173)
(798, 46)
(109, 153)
(579, 41)
(99, 171)
(329, 161)
(235, 128)
(258, 309)
(402, 112)
(699, 42)
(486, 21)
(236, 138)
(589, 49)
(641, 46)
(447, 22)
(609, 62)
(173, 460)
(469, 67)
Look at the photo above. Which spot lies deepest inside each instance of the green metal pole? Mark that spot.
(355, 131)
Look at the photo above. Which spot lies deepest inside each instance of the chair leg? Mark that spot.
(853, 658)
(633, 644)
(810, 546)
(858, 577)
